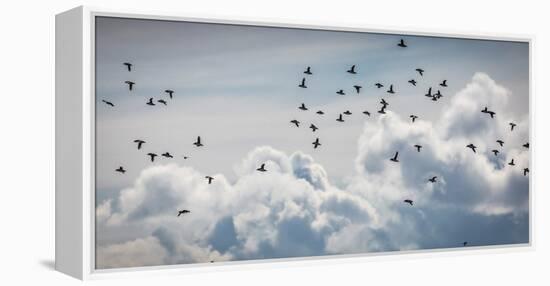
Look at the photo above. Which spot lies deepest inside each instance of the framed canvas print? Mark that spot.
(185, 142)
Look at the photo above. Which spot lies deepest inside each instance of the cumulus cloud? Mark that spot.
(294, 210)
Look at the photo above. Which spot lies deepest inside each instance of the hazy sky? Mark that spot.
(237, 87)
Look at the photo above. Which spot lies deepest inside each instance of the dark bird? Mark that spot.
(170, 92)
(438, 94)
(302, 107)
(485, 110)
(150, 102)
(185, 157)
(402, 44)
(429, 94)
(183, 212)
(413, 117)
(526, 145)
(394, 159)
(525, 171)
(379, 85)
(391, 89)
(339, 119)
(420, 71)
(433, 179)
(341, 92)
(121, 170)
(152, 155)
(128, 65)
(347, 112)
(495, 152)
(512, 125)
(308, 71)
(198, 142)
(303, 84)
(162, 101)
(130, 84)
(167, 155)
(139, 142)
(410, 202)
(384, 102)
(320, 112)
(296, 122)
(382, 110)
(434, 98)
(511, 163)
(366, 113)
(413, 82)
(472, 146)
(352, 70)
(444, 83)
(316, 143)
(500, 142)
(262, 168)
(357, 88)
(418, 147)
(108, 102)
(313, 127)
(464, 243)
(209, 179)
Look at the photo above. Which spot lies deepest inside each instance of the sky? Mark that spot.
(237, 88)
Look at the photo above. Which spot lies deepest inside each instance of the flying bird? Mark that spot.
(313, 127)
(410, 202)
(512, 125)
(152, 156)
(485, 110)
(495, 152)
(316, 143)
(418, 147)
(438, 94)
(500, 142)
(357, 88)
(382, 110)
(296, 122)
(183, 212)
(366, 113)
(511, 163)
(525, 171)
(167, 155)
(303, 84)
(209, 179)
(429, 94)
(352, 70)
(128, 65)
(130, 84)
(185, 157)
(308, 71)
(302, 107)
(413, 82)
(526, 145)
(347, 112)
(384, 102)
(420, 71)
(379, 85)
(339, 119)
(150, 102)
(402, 44)
(162, 101)
(341, 92)
(464, 243)
(472, 146)
(394, 159)
(139, 142)
(198, 142)
(108, 102)
(170, 92)
(391, 89)
(121, 170)
(320, 112)
(433, 179)
(413, 117)
(262, 168)
(444, 83)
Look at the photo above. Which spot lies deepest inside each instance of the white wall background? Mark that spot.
(27, 141)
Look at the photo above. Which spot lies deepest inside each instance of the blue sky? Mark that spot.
(237, 87)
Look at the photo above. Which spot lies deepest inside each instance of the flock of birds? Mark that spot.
(434, 96)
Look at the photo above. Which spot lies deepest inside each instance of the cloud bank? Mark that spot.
(293, 209)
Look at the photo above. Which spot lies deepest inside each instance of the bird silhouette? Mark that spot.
(316, 143)
(185, 157)
(320, 112)
(495, 152)
(512, 125)
(525, 171)
(511, 163)
(384, 102)
(183, 212)
(526, 145)
(464, 243)
(391, 89)
(302, 107)
(429, 94)
(303, 84)
(198, 142)
(308, 71)
(402, 44)
(150, 102)
(296, 122)
(410, 202)
(413, 117)
(170, 92)
(341, 92)
(472, 146)
(379, 85)
(500, 142)
(121, 170)
(366, 113)
(433, 179)
(352, 70)
(491, 113)
(162, 101)
(418, 147)
(394, 159)
(382, 110)
(152, 156)
(438, 94)
(139, 142)
(210, 179)
(357, 88)
(130, 84)
(262, 168)
(413, 82)
(347, 112)
(340, 119)
(313, 127)
(108, 102)
(128, 65)
(444, 83)
(167, 155)
(420, 71)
